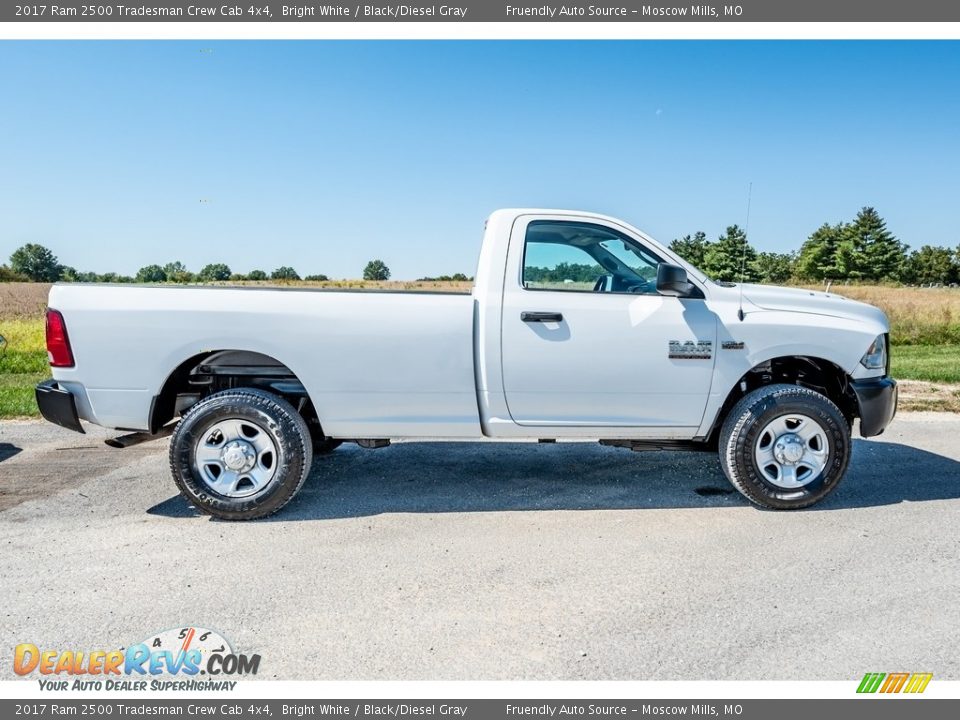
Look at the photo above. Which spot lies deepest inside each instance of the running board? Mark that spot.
(372, 444)
(658, 445)
(125, 441)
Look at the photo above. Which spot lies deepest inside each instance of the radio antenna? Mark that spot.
(743, 253)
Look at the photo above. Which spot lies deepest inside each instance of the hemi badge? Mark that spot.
(732, 345)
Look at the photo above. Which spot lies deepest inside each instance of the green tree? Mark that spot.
(214, 272)
(177, 272)
(818, 255)
(8, 275)
(849, 258)
(771, 267)
(376, 270)
(284, 272)
(932, 265)
(692, 248)
(36, 262)
(72, 275)
(881, 255)
(151, 274)
(320, 277)
(256, 275)
(730, 257)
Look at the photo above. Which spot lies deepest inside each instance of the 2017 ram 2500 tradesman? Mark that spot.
(578, 326)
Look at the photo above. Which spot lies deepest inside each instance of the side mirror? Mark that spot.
(672, 280)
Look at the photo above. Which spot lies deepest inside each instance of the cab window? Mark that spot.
(583, 257)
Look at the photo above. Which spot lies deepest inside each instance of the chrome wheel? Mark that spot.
(236, 458)
(791, 451)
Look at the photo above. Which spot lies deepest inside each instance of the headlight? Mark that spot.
(875, 358)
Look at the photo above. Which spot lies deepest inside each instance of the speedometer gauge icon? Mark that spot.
(184, 639)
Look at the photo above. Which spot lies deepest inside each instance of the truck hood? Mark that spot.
(770, 297)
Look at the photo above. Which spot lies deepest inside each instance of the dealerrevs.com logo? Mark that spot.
(188, 658)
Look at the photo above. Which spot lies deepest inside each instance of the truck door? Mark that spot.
(586, 338)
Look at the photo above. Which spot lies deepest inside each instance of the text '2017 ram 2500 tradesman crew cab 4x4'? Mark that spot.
(578, 327)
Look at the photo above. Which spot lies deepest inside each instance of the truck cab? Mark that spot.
(597, 324)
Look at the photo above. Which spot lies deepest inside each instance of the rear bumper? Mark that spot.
(58, 406)
(877, 399)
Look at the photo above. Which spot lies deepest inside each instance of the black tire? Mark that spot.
(323, 445)
(284, 426)
(748, 419)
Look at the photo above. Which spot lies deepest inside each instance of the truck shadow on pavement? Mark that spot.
(8, 450)
(492, 477)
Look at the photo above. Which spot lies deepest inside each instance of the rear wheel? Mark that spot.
(785, 447)
(241, 454)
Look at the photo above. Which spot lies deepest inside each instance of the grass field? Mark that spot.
(934, 363)
(918, 316)
(22, 365)
(925, 331)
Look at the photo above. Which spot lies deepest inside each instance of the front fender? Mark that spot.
(767, 335)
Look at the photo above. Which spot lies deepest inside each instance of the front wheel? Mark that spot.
(241, 454)
(785, 447)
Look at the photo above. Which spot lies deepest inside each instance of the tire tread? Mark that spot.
(268, 403)
(742, 415)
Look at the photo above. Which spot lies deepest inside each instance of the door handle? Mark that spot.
(527, 316)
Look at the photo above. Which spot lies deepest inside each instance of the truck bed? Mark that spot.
(378, 361)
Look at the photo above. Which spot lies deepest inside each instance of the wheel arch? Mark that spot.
(815, 373)
(211, 371)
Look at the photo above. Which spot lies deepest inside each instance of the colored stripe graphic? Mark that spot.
(894, 682)
(870, 682)
(918, 682)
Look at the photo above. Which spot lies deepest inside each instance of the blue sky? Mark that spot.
(323, 155)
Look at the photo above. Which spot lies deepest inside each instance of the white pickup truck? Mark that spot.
(579, 326)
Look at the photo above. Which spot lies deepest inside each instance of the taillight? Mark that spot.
(58, 344)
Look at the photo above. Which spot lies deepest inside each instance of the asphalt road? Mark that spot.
(496, 561)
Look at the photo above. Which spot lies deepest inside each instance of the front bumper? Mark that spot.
(58, 406)
(877, 400)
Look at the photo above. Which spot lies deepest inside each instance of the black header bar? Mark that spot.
(205, 705)
(892, 11)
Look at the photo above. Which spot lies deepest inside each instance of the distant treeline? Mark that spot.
(36, 263)
(456, 277)
(563, 272)
(862, 250)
